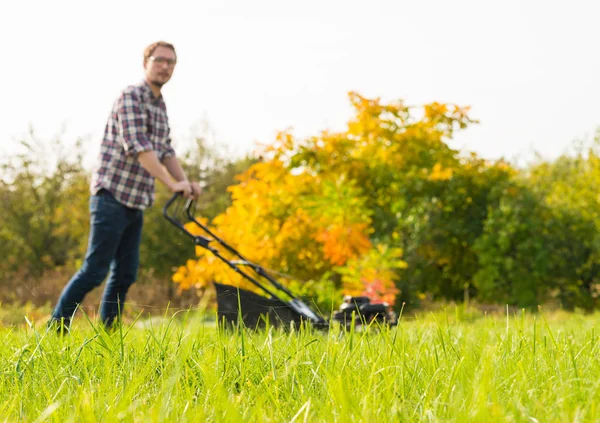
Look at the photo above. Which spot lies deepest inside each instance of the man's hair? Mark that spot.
(150, 49)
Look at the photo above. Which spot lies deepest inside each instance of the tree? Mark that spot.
(339, 204)
(44, 208)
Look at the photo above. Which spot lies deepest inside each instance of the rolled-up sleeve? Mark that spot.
(167, 150)
(132, 125)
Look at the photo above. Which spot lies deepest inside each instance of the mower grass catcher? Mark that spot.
(277, 305)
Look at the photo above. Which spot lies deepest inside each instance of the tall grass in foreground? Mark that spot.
(434, 368)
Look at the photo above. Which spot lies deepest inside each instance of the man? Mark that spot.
(135, 146)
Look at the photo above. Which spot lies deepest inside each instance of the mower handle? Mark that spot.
(189, 206)
(203, 241)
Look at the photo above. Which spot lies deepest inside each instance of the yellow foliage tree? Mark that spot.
(325, 203)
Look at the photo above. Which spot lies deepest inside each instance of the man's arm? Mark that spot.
(135, 142)
(175, 169)
(149, 161)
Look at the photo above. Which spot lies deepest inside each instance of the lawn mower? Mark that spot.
(277, 304)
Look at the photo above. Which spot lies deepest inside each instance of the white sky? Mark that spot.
(529, 68)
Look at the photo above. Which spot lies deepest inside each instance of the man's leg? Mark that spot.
(123, 269)
(107, 224)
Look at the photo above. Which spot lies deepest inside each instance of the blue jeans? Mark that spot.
(114, 244)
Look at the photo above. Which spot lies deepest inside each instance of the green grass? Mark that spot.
(437, 367)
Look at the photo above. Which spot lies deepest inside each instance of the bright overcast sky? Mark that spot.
(530, 69)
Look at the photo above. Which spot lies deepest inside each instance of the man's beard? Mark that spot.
(159, 84)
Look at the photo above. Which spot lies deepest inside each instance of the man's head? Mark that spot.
(159, 63)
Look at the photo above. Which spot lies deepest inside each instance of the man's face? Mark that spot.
(159, 67)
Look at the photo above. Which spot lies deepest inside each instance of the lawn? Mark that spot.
(443, 366)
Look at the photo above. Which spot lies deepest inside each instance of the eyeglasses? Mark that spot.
(163, 60)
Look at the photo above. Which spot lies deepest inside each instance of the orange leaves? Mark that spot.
(341, 243)
(373, 274)
(379, 290)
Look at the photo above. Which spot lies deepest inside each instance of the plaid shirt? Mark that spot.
(138, 122)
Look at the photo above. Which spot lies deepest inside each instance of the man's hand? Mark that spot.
(183, 187)
(150, 162)
(196, 190)
(175, 169)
